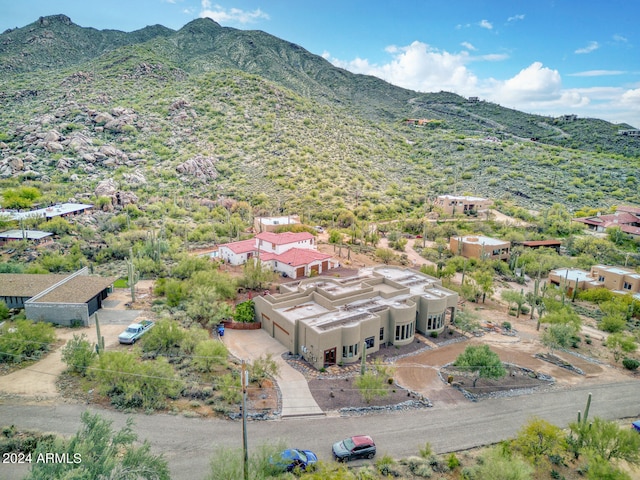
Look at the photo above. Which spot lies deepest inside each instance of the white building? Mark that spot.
(293, 255)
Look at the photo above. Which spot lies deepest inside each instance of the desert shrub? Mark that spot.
(192, 337)
(130, 383)
(245, 312)
(263, 367)
(4, 311)
(78, 354)
(25, 339)
(630, 363)
(452, 461)
(165, 337)
(208, 353)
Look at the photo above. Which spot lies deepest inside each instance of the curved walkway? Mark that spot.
(296, 397)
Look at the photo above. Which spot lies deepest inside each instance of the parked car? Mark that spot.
(135, 331)
(293, 458)
(636, 425)
(358, 446)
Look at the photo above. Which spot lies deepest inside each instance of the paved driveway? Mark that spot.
(249, 345)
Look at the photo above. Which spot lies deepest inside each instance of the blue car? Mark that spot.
(293, 458)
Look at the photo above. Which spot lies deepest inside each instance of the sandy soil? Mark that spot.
(38, 381)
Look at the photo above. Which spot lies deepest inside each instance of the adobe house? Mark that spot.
(270, 224)
(452, 204)
(572, 279)
(330, 320)
(480, 247)
(617, 279)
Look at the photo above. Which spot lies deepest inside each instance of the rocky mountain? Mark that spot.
(209, 111)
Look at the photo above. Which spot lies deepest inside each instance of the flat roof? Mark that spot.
(28, 234)
(278, 220)
(482, 240)
(573, 274)
(49, 212)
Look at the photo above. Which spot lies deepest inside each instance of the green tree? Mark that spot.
(558, 335)
(500, 464)
(262, 368)
(255, 274)
(620, 344)
(4, 311)
(24, 340)
(130, 383)
(484, 280)
(78, 354)
(539, 439)
(385, 255)
(245, 312)
(374, 382)
(165, 337)
(607, 440)
(18, 198)
(96, 451)
(482, 361)
(513, 297)
(209, 353)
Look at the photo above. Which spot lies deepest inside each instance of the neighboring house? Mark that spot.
(35, 237)
(625, 217)
(535, 244)
(480, 247)
(293, 255)
(617, 279)
(452, 204)
(270, 224)
(60, 210)
(327, 320)
(60, 299)
(572, 279)
(629, 133)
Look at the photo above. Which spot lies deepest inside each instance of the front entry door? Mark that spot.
(330, 357)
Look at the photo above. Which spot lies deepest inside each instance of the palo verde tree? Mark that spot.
(482, 361)
(96, 451)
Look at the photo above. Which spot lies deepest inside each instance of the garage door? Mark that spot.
(315, 269)
(281, 334)
(325, 265)
(299, 272)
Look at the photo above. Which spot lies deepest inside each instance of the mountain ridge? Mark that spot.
(276, 119)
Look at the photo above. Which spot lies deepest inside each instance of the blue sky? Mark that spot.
(550, 57)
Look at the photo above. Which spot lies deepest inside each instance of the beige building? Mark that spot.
(480, 247)
(452, 204)
(270, 224)
(327, 320)
(617, 279)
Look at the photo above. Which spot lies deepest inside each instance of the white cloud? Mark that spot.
(597, 73)
(486, 24)
(468, 46)
(534, 83)
(231, 15)
(620, 38)
(588, 49)
(515, 18)
(418, 67)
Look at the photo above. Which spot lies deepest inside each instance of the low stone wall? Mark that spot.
(242, 325)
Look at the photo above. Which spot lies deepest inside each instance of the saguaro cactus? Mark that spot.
(133, 275)
(100, 338)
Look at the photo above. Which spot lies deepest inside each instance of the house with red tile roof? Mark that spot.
(293, 255)
(625, 217)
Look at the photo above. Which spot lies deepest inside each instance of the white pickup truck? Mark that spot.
(135, 331)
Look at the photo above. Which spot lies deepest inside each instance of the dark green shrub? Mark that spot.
(78, 354)
(630, 363)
